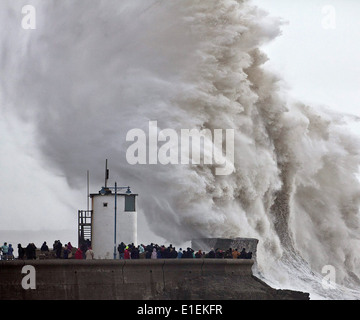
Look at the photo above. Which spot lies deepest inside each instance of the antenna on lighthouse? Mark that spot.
(87, 188)
(106, 173)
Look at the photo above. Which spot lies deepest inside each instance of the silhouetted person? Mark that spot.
(30, 251)
(121, 248)
(211, 254)
(84, 248)
(58, 249)
(243, 254)
(135, 253)
(10, 252)
(44, 247)
(21, 252)
(66, 252)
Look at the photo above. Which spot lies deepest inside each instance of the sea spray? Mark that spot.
(92, 71)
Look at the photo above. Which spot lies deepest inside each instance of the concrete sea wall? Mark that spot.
(186, 279)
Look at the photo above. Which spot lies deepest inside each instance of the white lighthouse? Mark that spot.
(111, 220)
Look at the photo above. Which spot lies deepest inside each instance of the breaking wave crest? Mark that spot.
(94, 70)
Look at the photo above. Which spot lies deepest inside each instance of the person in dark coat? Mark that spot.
(198, 254)
(211, 254)
(173, 253)
(21, 252)
(44, 247)
(33, 250)
(58, 249)
(30, 251)
(69, 246)
(135, 253)
(219, 254)
(243, 254)
(66, 252)
(121, 248)
(84, 248)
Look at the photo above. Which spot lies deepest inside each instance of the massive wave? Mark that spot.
(93, 70)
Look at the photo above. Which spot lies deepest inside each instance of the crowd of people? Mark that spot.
(125, 251)
(155, 251)
(68, 251)
(7, 252)
(31, 252)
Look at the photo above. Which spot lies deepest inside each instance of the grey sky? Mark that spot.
(320, 66)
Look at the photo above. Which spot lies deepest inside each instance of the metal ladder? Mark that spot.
(84, 226)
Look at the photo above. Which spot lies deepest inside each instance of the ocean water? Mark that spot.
(94, 70)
